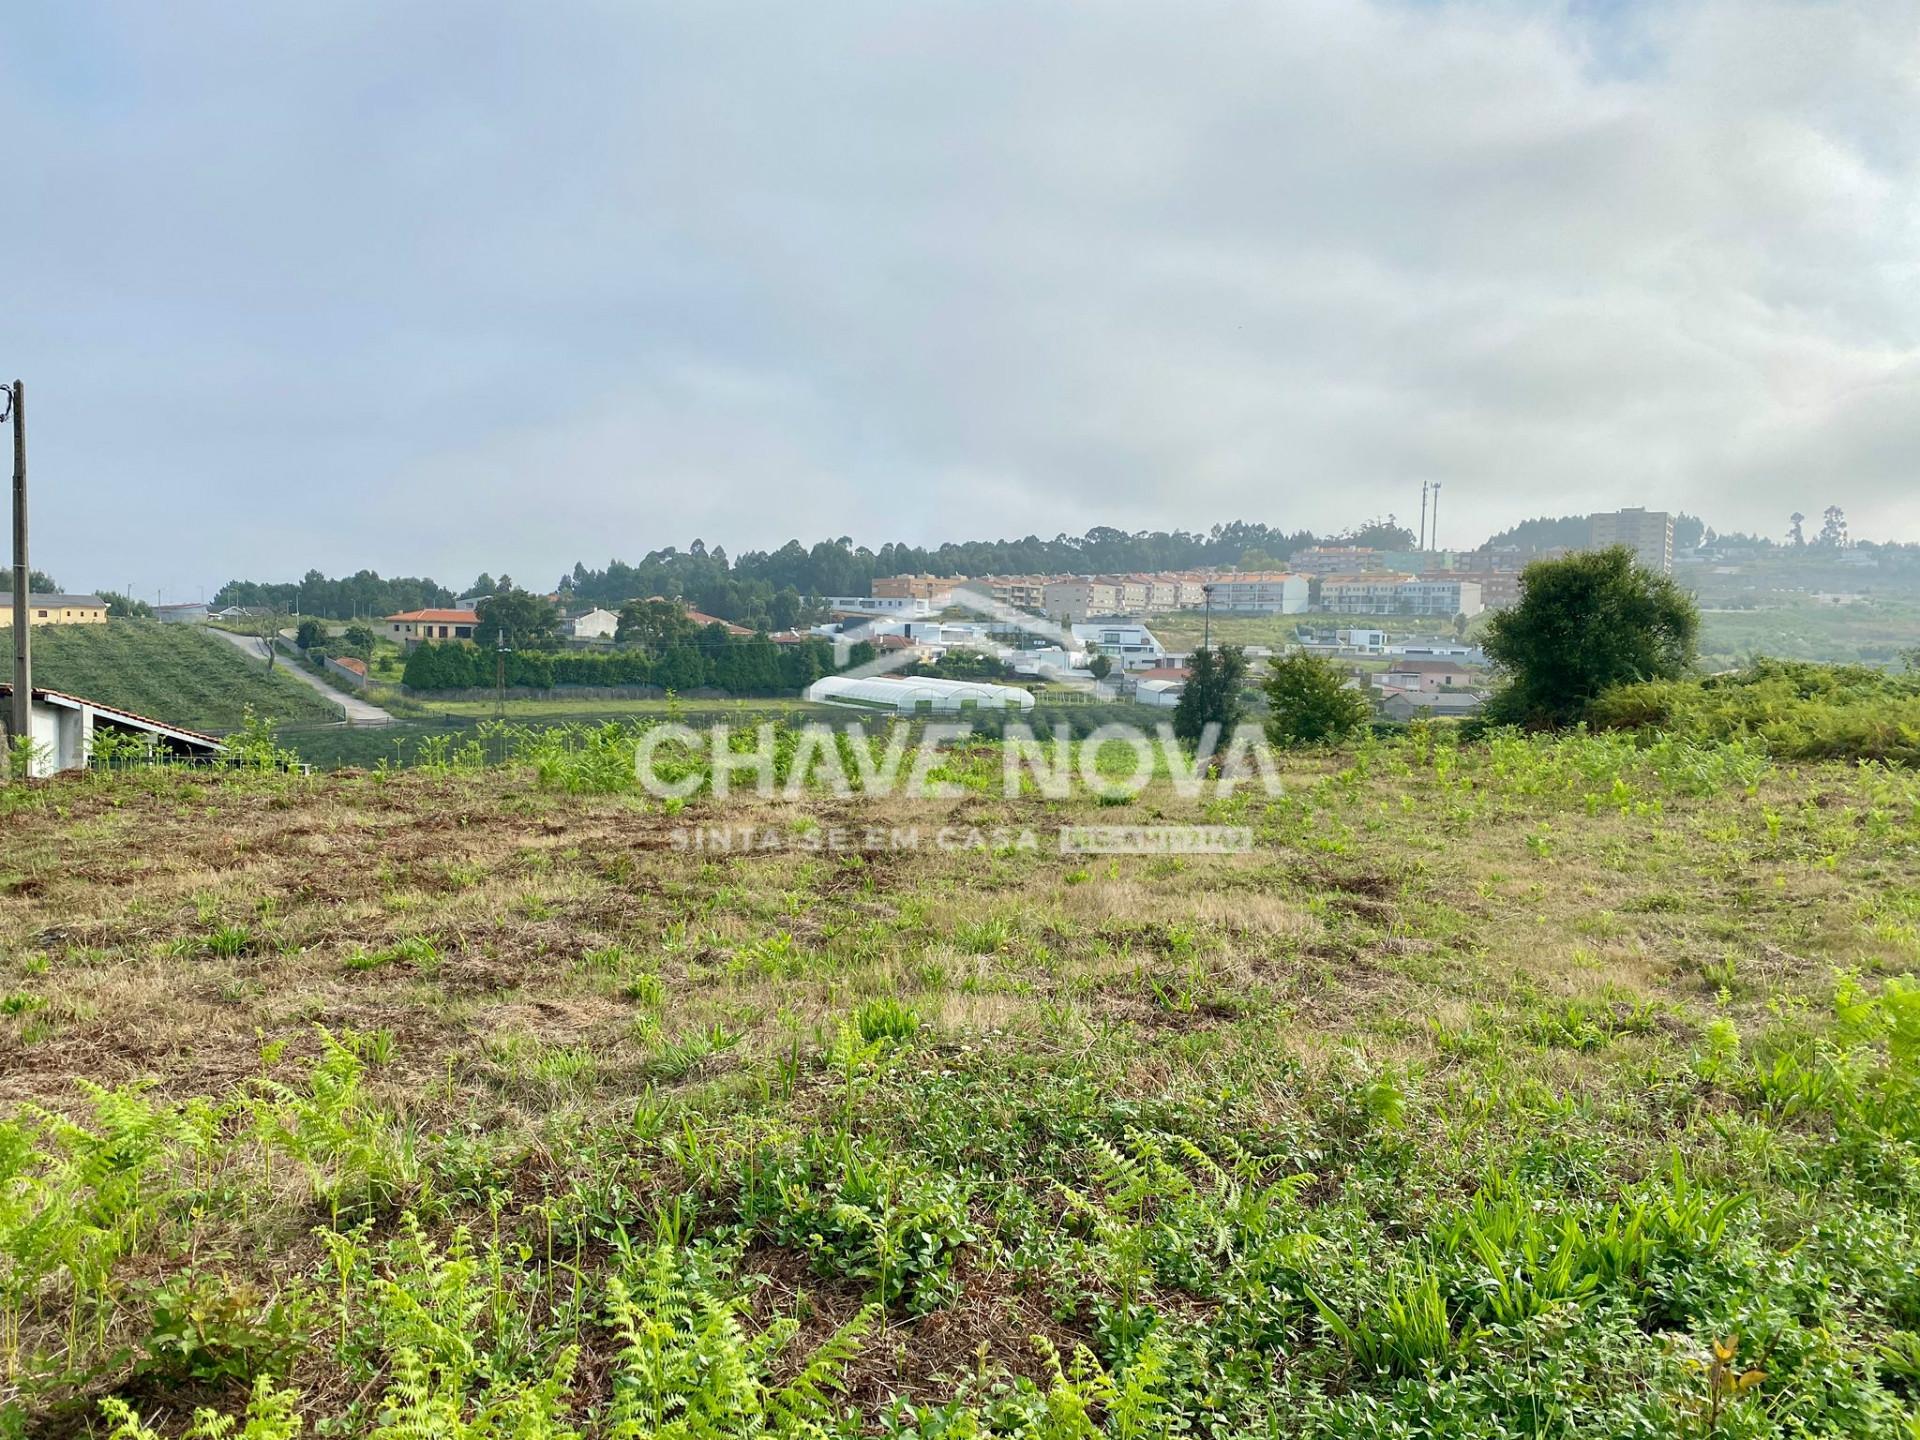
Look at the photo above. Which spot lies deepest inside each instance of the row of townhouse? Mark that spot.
(1059, 597)
(1078, 597)
(1367, 590)
(1433, 595)
(1261, 593)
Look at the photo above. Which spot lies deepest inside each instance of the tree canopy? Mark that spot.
(1309, 701)
(1585, 622)
(518, 617)
(1215, 679)
(124, 605)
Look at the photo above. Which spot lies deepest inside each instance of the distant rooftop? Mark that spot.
(56, 602)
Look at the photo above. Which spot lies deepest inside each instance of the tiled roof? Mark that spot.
(56, 602)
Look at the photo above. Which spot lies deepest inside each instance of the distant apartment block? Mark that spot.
(1648, 533)
(1181, 592)
(1499, 589)
(1072, 600)
(935, 590)
(1400, 595)
(1023, 592)
(1322, 560)
(1270, 593)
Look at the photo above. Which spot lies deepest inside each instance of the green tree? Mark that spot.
(1100, 666)
(523, 619)
(681, 668)
(656, 623)
(125, 606)
(41, 583)
(1310, 703)
(359, 641)
(1586, 622)
(1215, 679)
(310, 634)
(801, 665)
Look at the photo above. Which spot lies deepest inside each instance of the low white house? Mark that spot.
(1164, 694)
(64, 727)
(1050, 662)
(594, 625)
(917, 696)
(903, 607)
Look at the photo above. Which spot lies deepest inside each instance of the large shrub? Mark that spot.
(1309, 701)
(1586, 623)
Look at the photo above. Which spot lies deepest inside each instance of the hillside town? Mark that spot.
(1398, 621)
(1096, 632)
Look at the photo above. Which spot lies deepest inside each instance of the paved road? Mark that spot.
(359, 712)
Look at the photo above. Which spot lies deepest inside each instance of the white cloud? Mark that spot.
(614, 277)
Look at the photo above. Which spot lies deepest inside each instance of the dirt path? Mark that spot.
(358, 711)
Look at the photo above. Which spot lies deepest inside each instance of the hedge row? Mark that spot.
(741, 665)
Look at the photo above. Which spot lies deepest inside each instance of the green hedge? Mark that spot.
(740, 665)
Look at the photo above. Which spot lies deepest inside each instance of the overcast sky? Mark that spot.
(434, 288)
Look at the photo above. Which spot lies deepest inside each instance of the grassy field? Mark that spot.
(1543, 1088)
(1872, 633)
(171, 672)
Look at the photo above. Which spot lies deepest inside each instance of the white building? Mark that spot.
(63, 728)
(1648, 533)
(1274, 593)
(594, 625)
(916, 696)
(1050, 662)
(895, 606)
(1129, 646)
(1162, 694)
(1076, 599)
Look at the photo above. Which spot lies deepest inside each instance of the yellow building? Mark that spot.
(57, 610)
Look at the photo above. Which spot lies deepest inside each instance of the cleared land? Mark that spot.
(1484, 1097)
(171, 672)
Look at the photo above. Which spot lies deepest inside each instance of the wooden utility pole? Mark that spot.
(22, 709)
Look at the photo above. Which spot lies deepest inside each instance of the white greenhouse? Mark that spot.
(917, 696)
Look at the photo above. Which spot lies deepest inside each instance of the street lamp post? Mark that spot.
(1206, 641)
